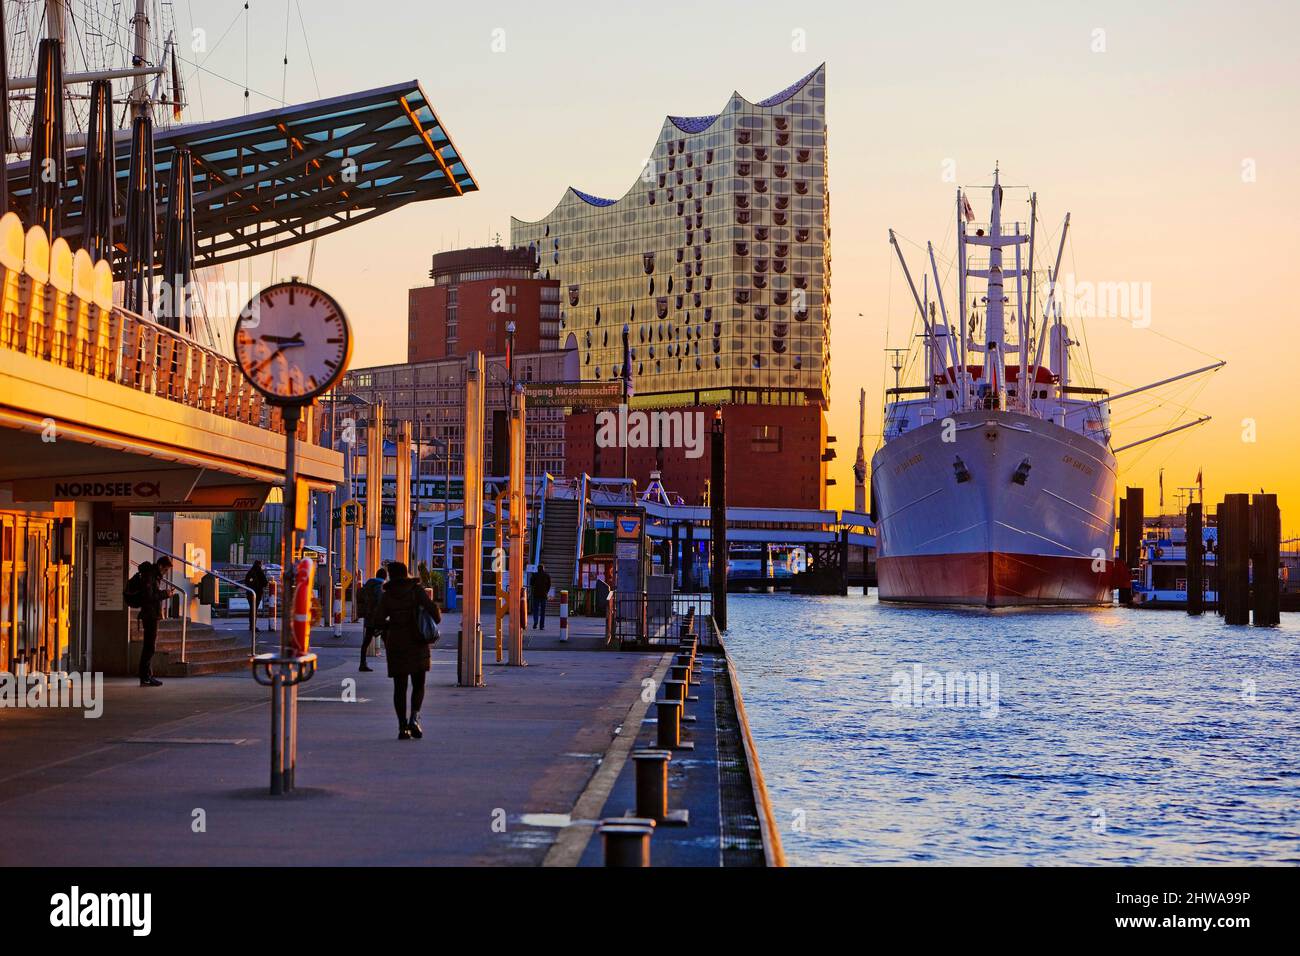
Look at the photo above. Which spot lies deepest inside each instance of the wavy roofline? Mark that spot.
(693, 128)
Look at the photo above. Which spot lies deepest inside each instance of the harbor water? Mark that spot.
(908, 735)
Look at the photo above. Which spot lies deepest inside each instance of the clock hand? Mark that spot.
(295, 339)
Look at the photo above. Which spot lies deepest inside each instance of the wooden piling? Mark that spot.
(1195, 560)
(1234, 575)
(1265, 556)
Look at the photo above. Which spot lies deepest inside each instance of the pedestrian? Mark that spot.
(368, 609)
(408, 653)
(145, 591)
(257, 580)
(539, 590)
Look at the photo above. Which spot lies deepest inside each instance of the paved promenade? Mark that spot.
(178, 775)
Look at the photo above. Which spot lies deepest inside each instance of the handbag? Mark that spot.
(427, 626)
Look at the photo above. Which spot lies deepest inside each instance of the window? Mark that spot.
(766, 439)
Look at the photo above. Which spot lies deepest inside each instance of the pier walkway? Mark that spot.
(178, 775)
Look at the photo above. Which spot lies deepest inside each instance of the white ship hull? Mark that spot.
(989, 540)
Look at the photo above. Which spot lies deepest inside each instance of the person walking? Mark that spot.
(257, 580)
(368, 608)
(151, 598)
(539, 590)
(408, 653)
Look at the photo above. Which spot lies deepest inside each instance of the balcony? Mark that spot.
(104, 377)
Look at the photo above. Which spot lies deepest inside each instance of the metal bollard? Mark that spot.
(675, 689)
(626, 841)
(564, 616)
(681, 672)
(685, 660)
(669, 732)
(652, 788)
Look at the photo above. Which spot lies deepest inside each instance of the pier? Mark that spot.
(520, 772)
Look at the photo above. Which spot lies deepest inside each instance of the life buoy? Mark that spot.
(304, 579)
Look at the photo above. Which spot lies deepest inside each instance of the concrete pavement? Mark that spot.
(178, 775)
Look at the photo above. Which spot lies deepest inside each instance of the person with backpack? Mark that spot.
(145, 591)
(257, 580)
(367, 608)
(539, 590)
(399, 617)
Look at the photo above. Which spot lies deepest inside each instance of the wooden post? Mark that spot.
(1266, 543)
(1234, 575)
(1125, 592)
(1195, 561)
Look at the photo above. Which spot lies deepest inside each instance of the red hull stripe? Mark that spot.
(993, 579)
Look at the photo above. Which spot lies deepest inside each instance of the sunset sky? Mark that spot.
(1168, 132)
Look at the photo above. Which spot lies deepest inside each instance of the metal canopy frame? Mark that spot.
(273, 179)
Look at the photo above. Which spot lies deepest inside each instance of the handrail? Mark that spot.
(252, 603)
(540, 524)
(582, 527)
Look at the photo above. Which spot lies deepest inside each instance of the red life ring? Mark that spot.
(304, 579)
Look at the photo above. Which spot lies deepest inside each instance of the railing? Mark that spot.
(642, 621)
(58, 307)
(252, 595)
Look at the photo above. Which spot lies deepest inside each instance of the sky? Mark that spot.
(1167, 130)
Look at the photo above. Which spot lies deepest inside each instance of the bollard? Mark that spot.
(675, 689)
(688, 662)
(564, 616)
(680, 672)
(652, 788)
(669, 732)
(626, 841)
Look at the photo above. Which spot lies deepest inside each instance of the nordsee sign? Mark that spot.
(134, 487)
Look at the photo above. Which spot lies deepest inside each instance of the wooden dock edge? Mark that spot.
(773, 852)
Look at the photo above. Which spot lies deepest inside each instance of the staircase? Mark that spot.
(207, 650)
(560, 539)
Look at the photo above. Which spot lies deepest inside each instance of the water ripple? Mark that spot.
(1120, 737)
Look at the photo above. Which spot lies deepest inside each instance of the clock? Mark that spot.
(292, 342)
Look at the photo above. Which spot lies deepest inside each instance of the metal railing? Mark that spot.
(252, 595)
(642, 621)
(65, 317)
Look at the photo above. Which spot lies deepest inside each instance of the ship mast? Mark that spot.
(860, 465)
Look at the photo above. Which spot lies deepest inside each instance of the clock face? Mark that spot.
(292, 342)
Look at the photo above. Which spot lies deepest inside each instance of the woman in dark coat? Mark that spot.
(408, 654)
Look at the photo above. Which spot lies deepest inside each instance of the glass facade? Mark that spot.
(717, 259)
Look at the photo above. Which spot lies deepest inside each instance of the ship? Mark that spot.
(1163, 573)
(994, 482)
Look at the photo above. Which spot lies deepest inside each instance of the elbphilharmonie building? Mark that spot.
(717, 259)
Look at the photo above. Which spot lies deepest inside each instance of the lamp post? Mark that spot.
(627, 385)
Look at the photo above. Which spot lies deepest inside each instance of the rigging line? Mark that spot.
(284, 74)
(1083, 326)
(307, 43)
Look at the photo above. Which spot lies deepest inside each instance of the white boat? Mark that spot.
(995, 481)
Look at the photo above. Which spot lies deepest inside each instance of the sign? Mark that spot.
(126, 488)
(246, 497)
(627, 551)
(627, 526)
(569, 394)
(110, 570)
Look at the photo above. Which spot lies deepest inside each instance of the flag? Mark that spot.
(1162, 487)
(1200, 486)
(966, 209)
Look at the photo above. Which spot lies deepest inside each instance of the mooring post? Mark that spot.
(1195, 560)
(1266, 546)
